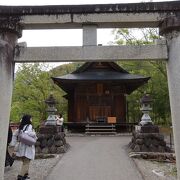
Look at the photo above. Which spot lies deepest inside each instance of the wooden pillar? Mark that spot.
(170, 28)
(9, 32)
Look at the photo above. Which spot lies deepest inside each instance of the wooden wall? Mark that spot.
(93, 100)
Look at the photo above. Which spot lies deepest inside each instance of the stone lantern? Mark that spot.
(50, 140)
(146, 137)
(51, 102)
(145, 108)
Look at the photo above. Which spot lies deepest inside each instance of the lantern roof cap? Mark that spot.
(51, 100)
(146, 99)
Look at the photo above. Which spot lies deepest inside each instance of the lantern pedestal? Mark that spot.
(50, 141)
(45, 129)
(147, 138)
(147, 128)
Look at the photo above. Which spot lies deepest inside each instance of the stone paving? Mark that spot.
(96, 158)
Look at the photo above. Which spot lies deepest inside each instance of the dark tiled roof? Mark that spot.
(99, 75)
(91, 73)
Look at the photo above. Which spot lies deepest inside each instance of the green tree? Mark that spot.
(157, 85)
(33, 85)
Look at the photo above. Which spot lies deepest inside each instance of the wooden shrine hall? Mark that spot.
(96, 93)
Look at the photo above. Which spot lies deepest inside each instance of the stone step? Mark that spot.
(100, 129)
(110, 126)
(112, 129)
(100, 133)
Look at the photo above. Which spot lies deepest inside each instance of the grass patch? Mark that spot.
(165, 130)
(173, 171)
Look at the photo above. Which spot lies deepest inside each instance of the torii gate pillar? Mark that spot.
(9, 33)
(170, 28)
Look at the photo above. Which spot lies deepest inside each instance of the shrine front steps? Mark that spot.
(100, 129)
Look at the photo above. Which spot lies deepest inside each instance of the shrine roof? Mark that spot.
(106, 72)
(99, 76)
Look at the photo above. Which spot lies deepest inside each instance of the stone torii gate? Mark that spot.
(162, 15)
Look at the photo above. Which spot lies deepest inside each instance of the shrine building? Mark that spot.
(96, 93)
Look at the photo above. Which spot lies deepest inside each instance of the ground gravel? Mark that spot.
(39, 168)
(153, 170)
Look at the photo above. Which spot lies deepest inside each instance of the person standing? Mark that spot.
(24, 152)
(9, 160)
(59, 122)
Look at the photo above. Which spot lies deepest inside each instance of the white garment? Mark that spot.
(59, 121)
(23, 149)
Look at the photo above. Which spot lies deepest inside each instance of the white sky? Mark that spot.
(64, 37)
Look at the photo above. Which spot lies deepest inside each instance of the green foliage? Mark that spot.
(157, 85)
(32, 86)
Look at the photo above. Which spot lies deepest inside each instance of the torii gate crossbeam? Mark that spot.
(14, 19)
(91, 53)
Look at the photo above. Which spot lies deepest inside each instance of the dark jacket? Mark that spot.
(9, 135)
